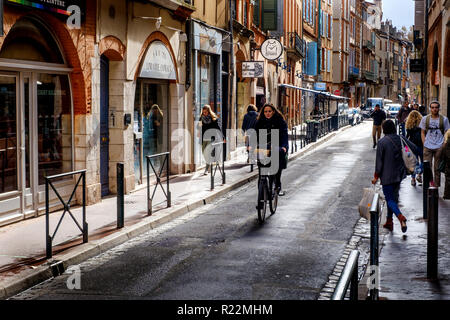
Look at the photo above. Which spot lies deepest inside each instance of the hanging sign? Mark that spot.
(271, 49)
(158, 63)
(253, 69)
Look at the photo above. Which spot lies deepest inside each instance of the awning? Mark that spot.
(326, 94)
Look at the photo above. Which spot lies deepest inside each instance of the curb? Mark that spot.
(29, 278)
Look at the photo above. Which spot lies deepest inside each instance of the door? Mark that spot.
(9, 157)
(104, 125)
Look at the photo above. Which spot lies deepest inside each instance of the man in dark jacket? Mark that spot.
(391, 170)
(378, 117)
(402, 116)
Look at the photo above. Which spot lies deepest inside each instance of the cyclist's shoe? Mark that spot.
(281, 193)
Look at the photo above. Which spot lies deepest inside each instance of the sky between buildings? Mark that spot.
(401, 12)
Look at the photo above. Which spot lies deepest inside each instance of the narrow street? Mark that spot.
(221, 252)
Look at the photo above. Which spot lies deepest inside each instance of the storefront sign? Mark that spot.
(320, 86)
(158, 63)
(60, 7)
(206, 39)
(253, 69)
(271, 49)
(416, 65)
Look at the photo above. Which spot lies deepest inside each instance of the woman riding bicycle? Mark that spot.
(270, 119)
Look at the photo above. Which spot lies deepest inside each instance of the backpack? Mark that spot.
(441, 123)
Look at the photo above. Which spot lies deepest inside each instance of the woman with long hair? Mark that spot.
(413, 134)
(209, 121)
(270, 119)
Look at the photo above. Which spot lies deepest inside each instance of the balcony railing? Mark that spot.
(369, 75)
(296, 47)
(369, 45)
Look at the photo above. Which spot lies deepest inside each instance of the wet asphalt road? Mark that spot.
(221, 252)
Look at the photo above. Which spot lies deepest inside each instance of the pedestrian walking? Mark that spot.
(422, 110)
(433, 128)
(414, 134)
(208, 121)
(391, 170)
(249, 123)
(269, 119)
(446, 156)
(402, 116)
(378, 117)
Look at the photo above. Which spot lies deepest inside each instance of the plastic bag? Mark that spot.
(366, 202)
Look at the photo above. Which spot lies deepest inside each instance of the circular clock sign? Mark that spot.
(271, 49)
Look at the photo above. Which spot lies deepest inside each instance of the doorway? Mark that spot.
(104, 125)
(151, 125)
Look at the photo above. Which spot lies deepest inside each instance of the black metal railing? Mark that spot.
(218, 162)
(349, 277)
(158, 176)
(84, 229)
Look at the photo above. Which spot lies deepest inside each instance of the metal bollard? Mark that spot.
(427, 176)
(120, 196)
(432, 243)
(374, 216)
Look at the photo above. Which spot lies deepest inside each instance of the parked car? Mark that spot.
(393, 110)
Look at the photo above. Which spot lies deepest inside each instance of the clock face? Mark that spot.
(271, 49)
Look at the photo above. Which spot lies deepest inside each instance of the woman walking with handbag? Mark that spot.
(414, 134)
(391, 170)
(209, 122)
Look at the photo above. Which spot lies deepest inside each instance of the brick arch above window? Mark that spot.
(112, 48)
(74, 57)
(157, 35)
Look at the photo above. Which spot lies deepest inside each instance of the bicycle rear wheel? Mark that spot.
(263, 197)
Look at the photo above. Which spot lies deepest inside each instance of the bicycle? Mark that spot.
(267, 192)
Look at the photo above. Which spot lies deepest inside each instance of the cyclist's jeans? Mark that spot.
(391, 194)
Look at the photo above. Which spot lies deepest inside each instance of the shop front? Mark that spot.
(151, 108)
(207, 59)
(36, 118)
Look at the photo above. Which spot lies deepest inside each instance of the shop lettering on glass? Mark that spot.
(73, 10)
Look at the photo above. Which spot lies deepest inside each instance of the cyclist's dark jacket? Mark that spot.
(276, 122)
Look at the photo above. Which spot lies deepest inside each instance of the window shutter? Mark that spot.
(312, 59)
(269, 15)
(256, 13)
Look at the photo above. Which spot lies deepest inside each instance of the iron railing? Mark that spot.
(218, 162)
(158, 176)
(84, 229)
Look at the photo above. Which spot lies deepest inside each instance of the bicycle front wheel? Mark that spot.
(273, 198)
(263, 197)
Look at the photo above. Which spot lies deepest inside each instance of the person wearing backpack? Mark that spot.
(414, 134)
(433, 128)
(391, 170)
